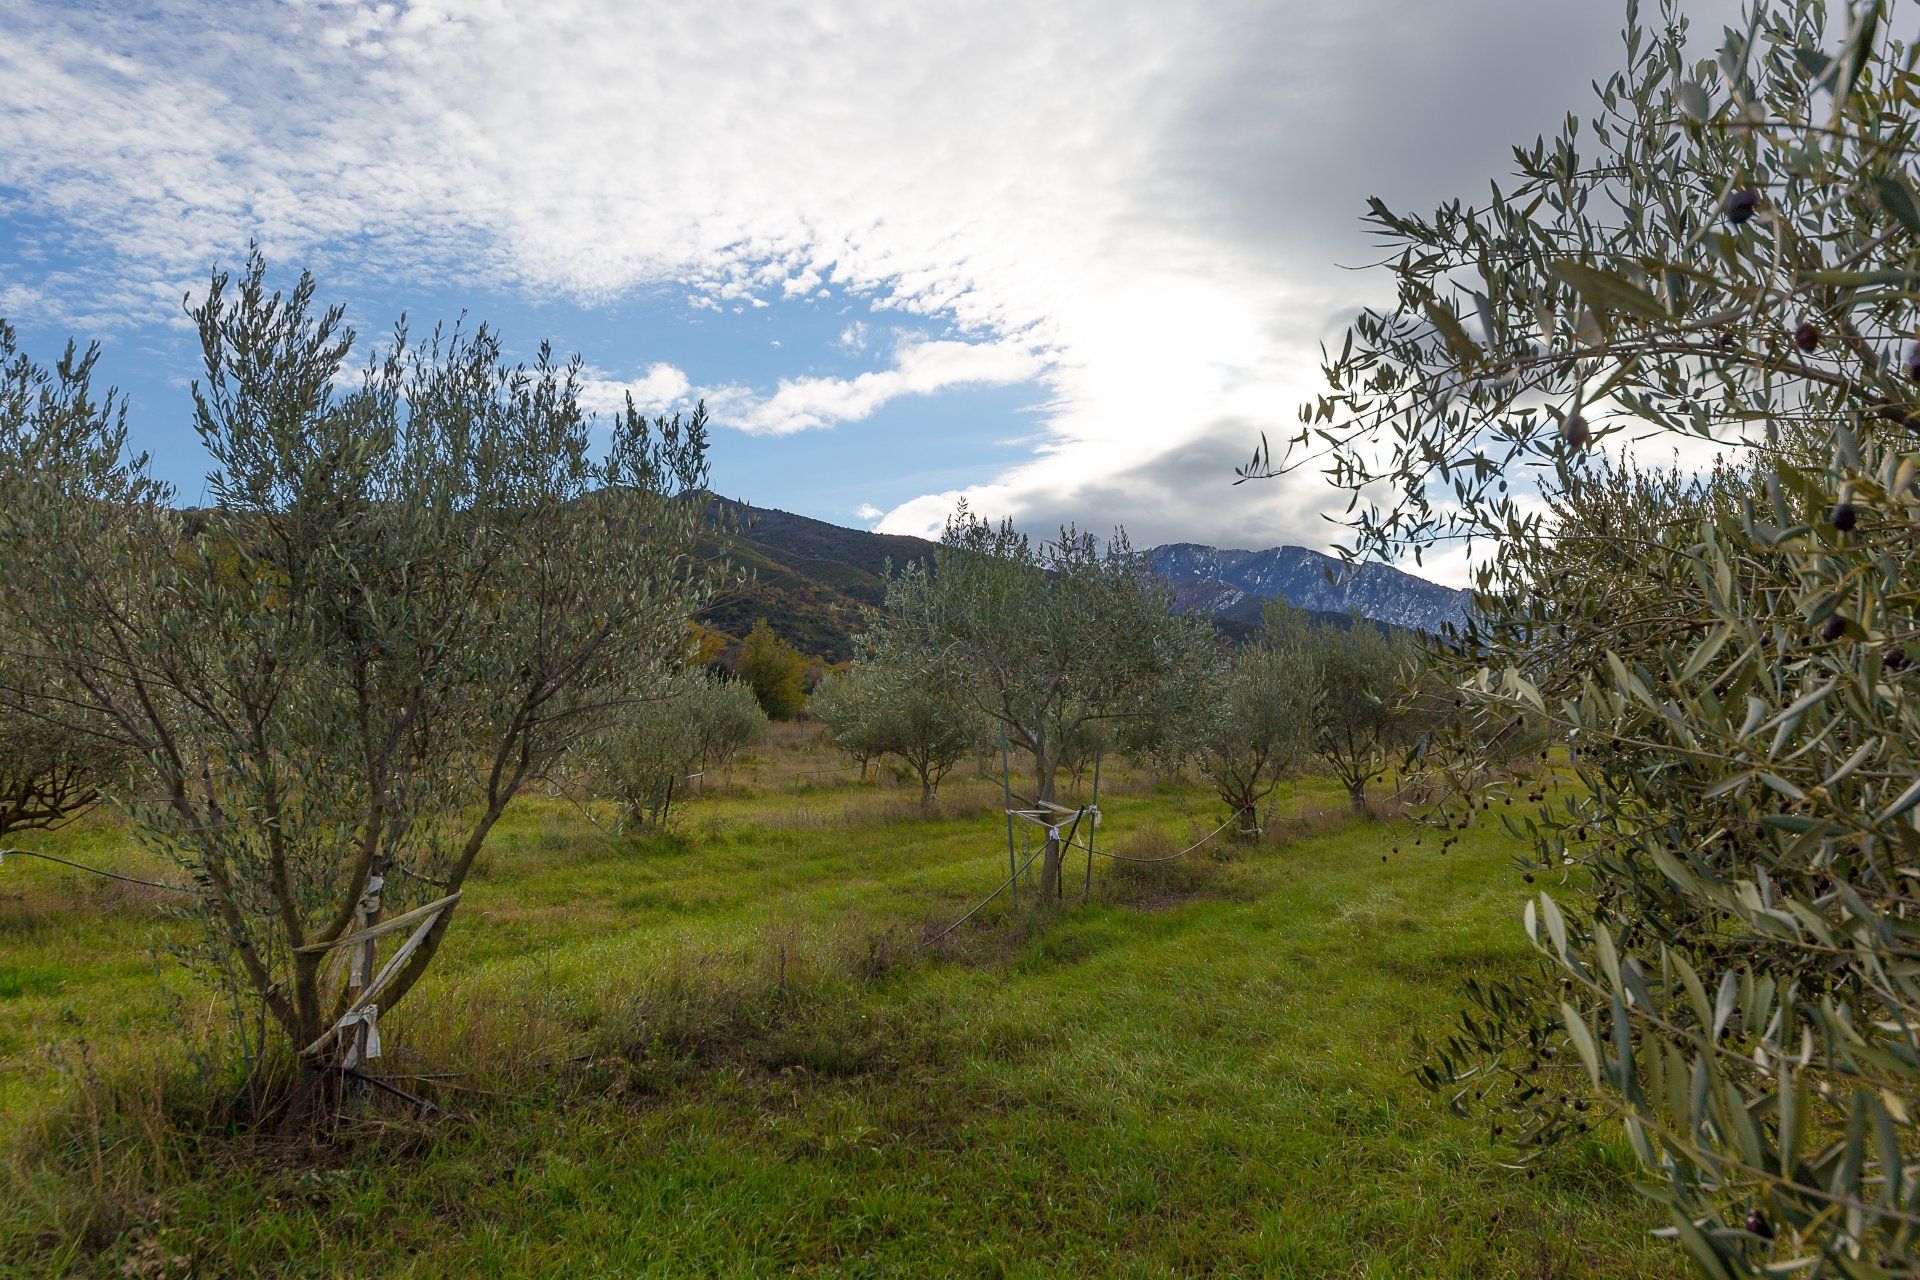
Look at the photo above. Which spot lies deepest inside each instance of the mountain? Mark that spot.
(1238, 584)
(812, 581)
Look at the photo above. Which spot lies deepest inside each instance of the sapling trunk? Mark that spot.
(1044, 770)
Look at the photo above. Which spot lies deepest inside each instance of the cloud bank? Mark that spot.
(1140, 206)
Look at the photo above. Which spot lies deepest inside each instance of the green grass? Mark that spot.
(1202, 1071)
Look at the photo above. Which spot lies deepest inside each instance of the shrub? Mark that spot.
(774, 670)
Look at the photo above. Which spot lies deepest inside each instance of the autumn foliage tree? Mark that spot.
(774, 670)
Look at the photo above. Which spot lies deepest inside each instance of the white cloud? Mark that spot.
(867, 511)
(661, 388)
(920, 367)
(1143, 209)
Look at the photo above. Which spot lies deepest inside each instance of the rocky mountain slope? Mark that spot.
(1238, 584)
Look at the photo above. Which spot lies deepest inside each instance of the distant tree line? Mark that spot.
(1062, 647)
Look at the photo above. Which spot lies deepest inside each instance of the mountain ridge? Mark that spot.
(813, 581)
(1236, 583)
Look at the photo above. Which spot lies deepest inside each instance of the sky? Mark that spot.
(1067, 259)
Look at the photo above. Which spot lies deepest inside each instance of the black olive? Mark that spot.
(1574, 431)
(1758, 1225)
(1741, 204)
(1842, 517)
(1807, 336)
(1835, 628)
(1894, 658)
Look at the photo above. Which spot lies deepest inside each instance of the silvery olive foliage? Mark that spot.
(1726, 255)
(1367, 705)
(650, 753)
(1053, 639)
(900, 701)
(1257, 724)
(839, 702)
(53, 766)
(418, 585)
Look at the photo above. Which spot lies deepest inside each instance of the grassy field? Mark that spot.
(724, 1052)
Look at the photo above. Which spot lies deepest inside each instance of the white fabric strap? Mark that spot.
(360, 1048)
(370, 899)
(364, 1007)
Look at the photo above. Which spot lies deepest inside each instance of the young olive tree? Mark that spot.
(838, 702)
(1730, 253)
(49, 773)
(900, 701)
(413, 591)
(727, 719)
(1054, 638)
(1363, 710)
(1260, 726)
(644, 759)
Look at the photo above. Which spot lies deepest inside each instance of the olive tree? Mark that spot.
(415, 589)
(1728, 254)
(54, 764)
(49, 774)
(1364, 707)
(653, 747)
(838, 702)
(1053, 638)
(902, 702)
(727, 719)
(1260, 725)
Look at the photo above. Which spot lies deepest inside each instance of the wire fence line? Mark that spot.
(1004, 885)
(111, 875)
(1165, 857)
